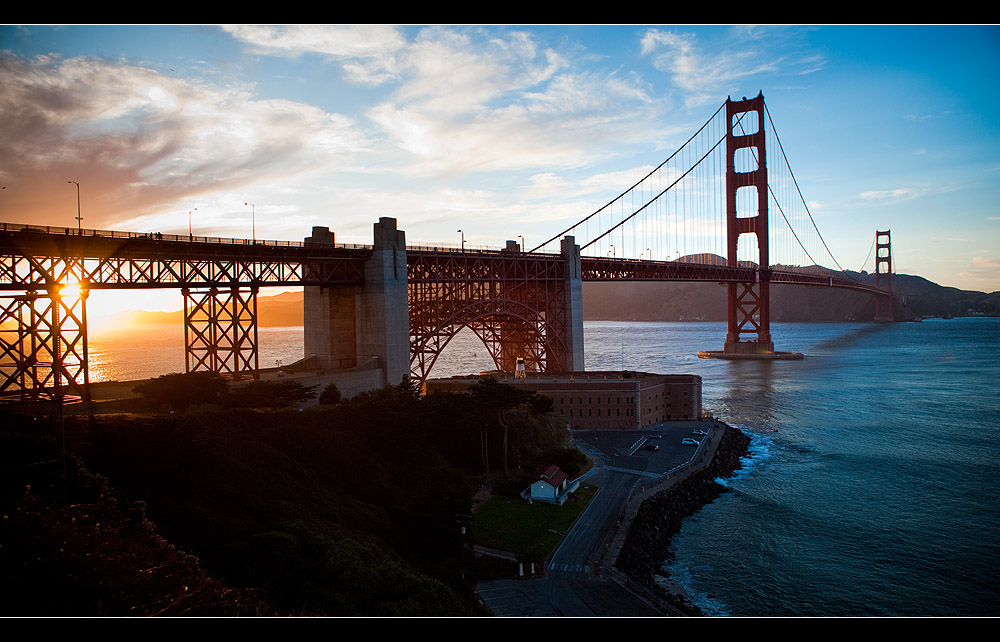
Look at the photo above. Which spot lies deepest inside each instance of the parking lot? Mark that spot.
(656, 449)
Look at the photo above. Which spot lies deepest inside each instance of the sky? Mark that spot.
(500, 131)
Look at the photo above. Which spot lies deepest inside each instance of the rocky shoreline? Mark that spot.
(660, 517)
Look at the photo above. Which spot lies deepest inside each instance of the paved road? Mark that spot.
(570, 586)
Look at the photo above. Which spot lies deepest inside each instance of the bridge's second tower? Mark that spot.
(749, 302)
(883, 276)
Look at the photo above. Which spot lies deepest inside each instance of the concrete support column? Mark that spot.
(347, 325)
(329, 325)
(383, 314)
(329, 317)
(574, 305)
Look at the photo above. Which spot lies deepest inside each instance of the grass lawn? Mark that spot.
(526, 529)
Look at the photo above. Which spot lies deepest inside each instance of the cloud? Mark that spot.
(984, 269)
(899, 194)
(702, 76)
(135, 138)
(367, 53)
(474, 101)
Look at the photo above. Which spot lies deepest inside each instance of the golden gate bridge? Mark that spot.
(716, 210)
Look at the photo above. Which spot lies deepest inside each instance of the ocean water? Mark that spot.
(871, 489)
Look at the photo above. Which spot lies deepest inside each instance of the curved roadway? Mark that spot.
(574, 584)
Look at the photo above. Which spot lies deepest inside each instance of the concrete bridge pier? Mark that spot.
(574, 305)
(347, 325)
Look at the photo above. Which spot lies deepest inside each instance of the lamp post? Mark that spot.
(190, 232)
(463, 239)
(253, 221)
(524, 248)
(79, 218)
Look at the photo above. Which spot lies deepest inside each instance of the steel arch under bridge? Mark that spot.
(518, 304)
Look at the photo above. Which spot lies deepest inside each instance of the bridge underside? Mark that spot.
(520, 305)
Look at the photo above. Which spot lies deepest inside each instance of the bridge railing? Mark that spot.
(194, 238)
(158, 236)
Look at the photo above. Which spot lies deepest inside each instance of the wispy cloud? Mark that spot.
(140, 138)
(702, 76)
(984, 269)
(368, 54)
(894, 194)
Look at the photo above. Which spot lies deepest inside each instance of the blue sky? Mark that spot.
(500, 131)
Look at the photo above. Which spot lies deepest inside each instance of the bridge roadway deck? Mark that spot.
(579, 580)
(115, 259)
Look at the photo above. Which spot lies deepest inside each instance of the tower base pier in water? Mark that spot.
(748, 353)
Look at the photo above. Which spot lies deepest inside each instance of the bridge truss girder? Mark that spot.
(26, 262)
(220, 331)
(43, 345)
(517, 306)
(43, 334)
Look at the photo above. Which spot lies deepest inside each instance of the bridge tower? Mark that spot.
(749, 302)
(883, 276)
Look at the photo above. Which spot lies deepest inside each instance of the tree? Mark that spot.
(330, 395)
(541, 404)
(400, 396)
(500, 398)
(270, 394)
(180, 390)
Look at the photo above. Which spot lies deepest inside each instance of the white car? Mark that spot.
(687, 441)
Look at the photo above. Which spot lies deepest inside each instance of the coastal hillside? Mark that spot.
(681, 301)
(673, 301)
(345, 509)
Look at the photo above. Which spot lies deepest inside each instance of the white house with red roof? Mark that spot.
(553, 486)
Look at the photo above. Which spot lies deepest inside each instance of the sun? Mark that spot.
(72, 291)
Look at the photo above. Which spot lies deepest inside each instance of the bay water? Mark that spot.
(871, 486)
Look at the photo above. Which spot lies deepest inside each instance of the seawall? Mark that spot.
(660, 516)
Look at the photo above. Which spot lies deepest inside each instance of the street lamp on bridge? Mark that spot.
(253, 221)
(190, 232)
(463, 239)
(79, 218)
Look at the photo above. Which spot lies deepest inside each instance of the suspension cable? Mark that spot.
(796, 183)
(633, 214)
(658, 167)
(870, 250)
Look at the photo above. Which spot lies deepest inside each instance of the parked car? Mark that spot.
(687, 441)
(698, 432)
(656, 436)
(652, 447)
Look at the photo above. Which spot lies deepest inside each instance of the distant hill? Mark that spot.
(683, 301)
(280, 310)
